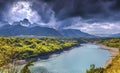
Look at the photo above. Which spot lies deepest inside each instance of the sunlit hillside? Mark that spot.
(12, 49)
(114, 67)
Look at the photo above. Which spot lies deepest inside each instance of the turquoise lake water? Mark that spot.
(75, 61)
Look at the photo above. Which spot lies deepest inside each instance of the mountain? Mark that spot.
(16, 30)
(25, 28)
(102, 35)
(74, 33)
(2, 23)
(109, 35)
(115, 35)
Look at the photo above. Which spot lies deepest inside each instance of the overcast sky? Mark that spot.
(91, 16)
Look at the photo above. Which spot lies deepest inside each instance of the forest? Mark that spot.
(13, 49)
(16, 48)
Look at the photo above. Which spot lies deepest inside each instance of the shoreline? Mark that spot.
(113, 52)
(47, 56)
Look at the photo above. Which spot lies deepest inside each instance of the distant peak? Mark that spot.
(25, 22)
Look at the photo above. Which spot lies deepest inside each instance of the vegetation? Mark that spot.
(115, 42)
(93, 69)
(114, 67)
(12, 49)
(25, 69)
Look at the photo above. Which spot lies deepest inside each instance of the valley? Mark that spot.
(20, 50)
(59, 36)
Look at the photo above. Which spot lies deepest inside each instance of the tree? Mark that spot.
(26, 69)
(93, 69)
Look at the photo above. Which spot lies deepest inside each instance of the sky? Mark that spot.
(90, 16)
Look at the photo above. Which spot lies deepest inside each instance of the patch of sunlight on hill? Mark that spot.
(114, 67)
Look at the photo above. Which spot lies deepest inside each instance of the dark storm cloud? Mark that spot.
(70, 8)
(96, 10)
(88, 15)
(43, 9)
(117, 5)
(4, 5)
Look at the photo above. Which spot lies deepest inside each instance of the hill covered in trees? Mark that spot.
(12, 49)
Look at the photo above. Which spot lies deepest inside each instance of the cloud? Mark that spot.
(43, 9)
(67, 8)
(91, 16)
(21, 10)
(84, 8)
(101, 28)
(95, 27)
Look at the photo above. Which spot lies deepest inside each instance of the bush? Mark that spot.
(93, 69)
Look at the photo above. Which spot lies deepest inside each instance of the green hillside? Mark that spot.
(21, 48)
(114, 67)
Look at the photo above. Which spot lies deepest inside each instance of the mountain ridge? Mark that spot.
(74, 33)
(24, 27)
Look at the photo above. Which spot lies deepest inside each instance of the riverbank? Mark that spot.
(48, 55)
(77, 60)
(113, 53)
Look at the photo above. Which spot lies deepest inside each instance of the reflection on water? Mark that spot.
(40, 70)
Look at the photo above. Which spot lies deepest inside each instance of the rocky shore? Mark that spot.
(113, 53)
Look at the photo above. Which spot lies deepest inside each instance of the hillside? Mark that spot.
(74, 33)
(115, 35)
(114, 67)
(16, 30)
(12, 49)
(109, 35)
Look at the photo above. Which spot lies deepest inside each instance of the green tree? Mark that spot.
(93, 69)
(26, 69)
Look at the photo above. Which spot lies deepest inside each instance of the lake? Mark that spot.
(76, 60)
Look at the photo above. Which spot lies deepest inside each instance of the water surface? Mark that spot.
(75, 61)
